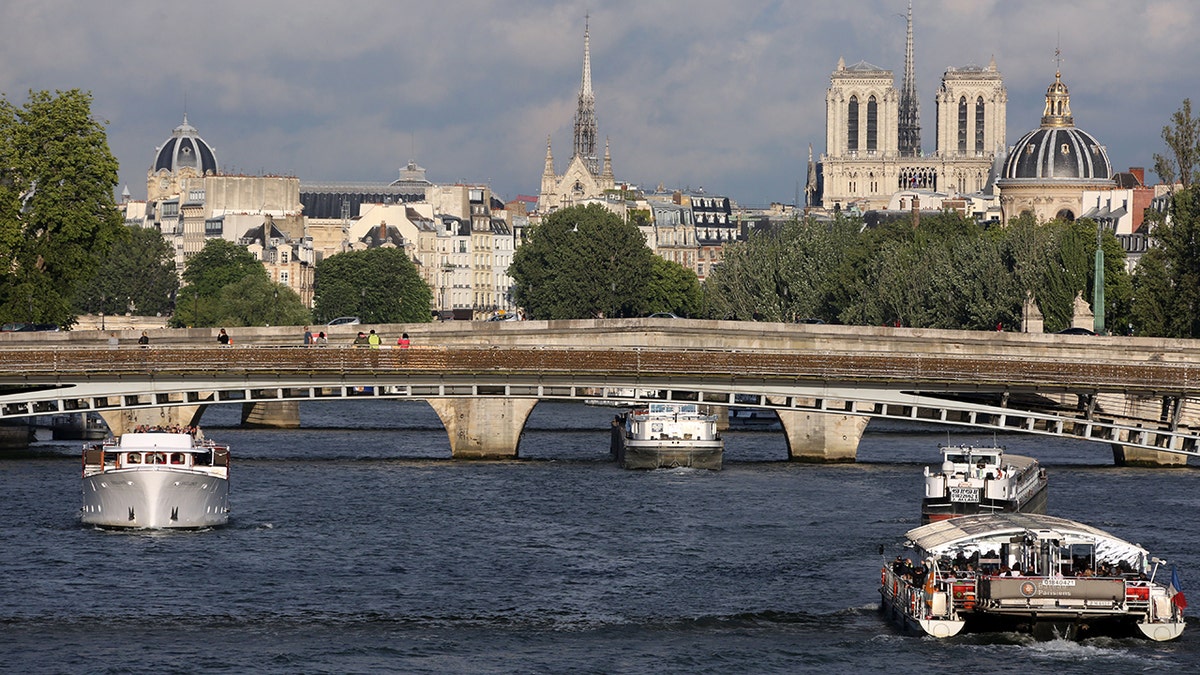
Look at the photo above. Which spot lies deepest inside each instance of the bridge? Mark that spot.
(1138, 395)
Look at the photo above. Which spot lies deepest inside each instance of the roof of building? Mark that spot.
(1057, 150)
(183, 149)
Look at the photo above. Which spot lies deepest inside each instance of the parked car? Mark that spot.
(505, 316)
(344, 321)
(664, 315)
(1076, 330)
(22, 327)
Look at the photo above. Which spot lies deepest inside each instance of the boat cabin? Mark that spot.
(965, 462)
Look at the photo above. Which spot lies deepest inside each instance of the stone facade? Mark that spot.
(863, 164)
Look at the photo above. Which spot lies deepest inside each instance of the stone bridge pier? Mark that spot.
(483, 428)
(822, 437)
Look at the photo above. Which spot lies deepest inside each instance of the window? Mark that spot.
(283, 277)
(962, 125)
(979, 116)
(852, 125)
(872, 126)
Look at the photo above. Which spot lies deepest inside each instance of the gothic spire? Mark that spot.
(585, 114)
(910, 104)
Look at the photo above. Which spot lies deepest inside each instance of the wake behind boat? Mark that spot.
(982, 480)
(666, 435)
(155, 480)
(1029, 573)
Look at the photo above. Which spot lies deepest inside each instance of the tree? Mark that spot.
(57, 213)
(228, 286)
(673, 288)
(137, 274)
(1167, 290)
(1183, 144)
(255, 301)
(583, 262)
(378, 285)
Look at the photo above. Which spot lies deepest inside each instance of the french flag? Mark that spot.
(1176, 590)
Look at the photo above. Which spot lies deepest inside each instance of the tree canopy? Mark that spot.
(137, 275)
(583, 262)
(948, 272)
(227, 286)
(1182, 137)
(57, 213)
(378, 285)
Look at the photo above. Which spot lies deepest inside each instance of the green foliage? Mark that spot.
(1182, 137)
(791, 273)
(672, 288)
(378, 285)
(228, 286)
(255, 301)
(137, 274)
(219, 264)
(1167, 280)
(946, 273)
(57, 214)
(583, 262)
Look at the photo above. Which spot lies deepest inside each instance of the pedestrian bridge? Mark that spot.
(1138, 395)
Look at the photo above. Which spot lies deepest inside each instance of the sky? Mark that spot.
(720, 95)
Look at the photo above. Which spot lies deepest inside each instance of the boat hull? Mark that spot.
(941, 508)
(666, 454)
(155, 497)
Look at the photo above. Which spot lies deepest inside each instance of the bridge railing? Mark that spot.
(887, 369)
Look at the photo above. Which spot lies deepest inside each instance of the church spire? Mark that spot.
(910, 104)
(585, 114)
(549, 169)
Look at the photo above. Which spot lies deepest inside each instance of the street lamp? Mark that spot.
(275, 307)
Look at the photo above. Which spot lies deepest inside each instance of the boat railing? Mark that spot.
(921, 600)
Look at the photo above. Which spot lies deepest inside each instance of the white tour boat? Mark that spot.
(155, 480)
(982, 480)
(1031, 573)
(665, 435)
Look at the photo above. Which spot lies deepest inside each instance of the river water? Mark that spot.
(357, 546)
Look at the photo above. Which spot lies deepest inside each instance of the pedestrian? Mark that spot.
(113, 342)
(144, 340)
(322, 341)
(361, 340)
(403, 343)
(223, 338)
(308, 336)
(373, 339)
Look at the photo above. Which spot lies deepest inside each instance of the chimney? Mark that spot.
(916, 211)
(1139, 173)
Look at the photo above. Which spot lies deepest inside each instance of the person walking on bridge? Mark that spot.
(223, 338)
(373, 339)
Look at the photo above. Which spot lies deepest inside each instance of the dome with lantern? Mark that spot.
(185, 149)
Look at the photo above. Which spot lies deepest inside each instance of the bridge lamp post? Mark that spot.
(275, 306)
(1098, 285)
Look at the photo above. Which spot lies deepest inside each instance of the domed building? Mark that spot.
(1048, 170)
(182, 156)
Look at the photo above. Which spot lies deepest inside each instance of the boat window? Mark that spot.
(957, 459)
(1083, 557)
(158, 458)
(133, 458)
(177, 458)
